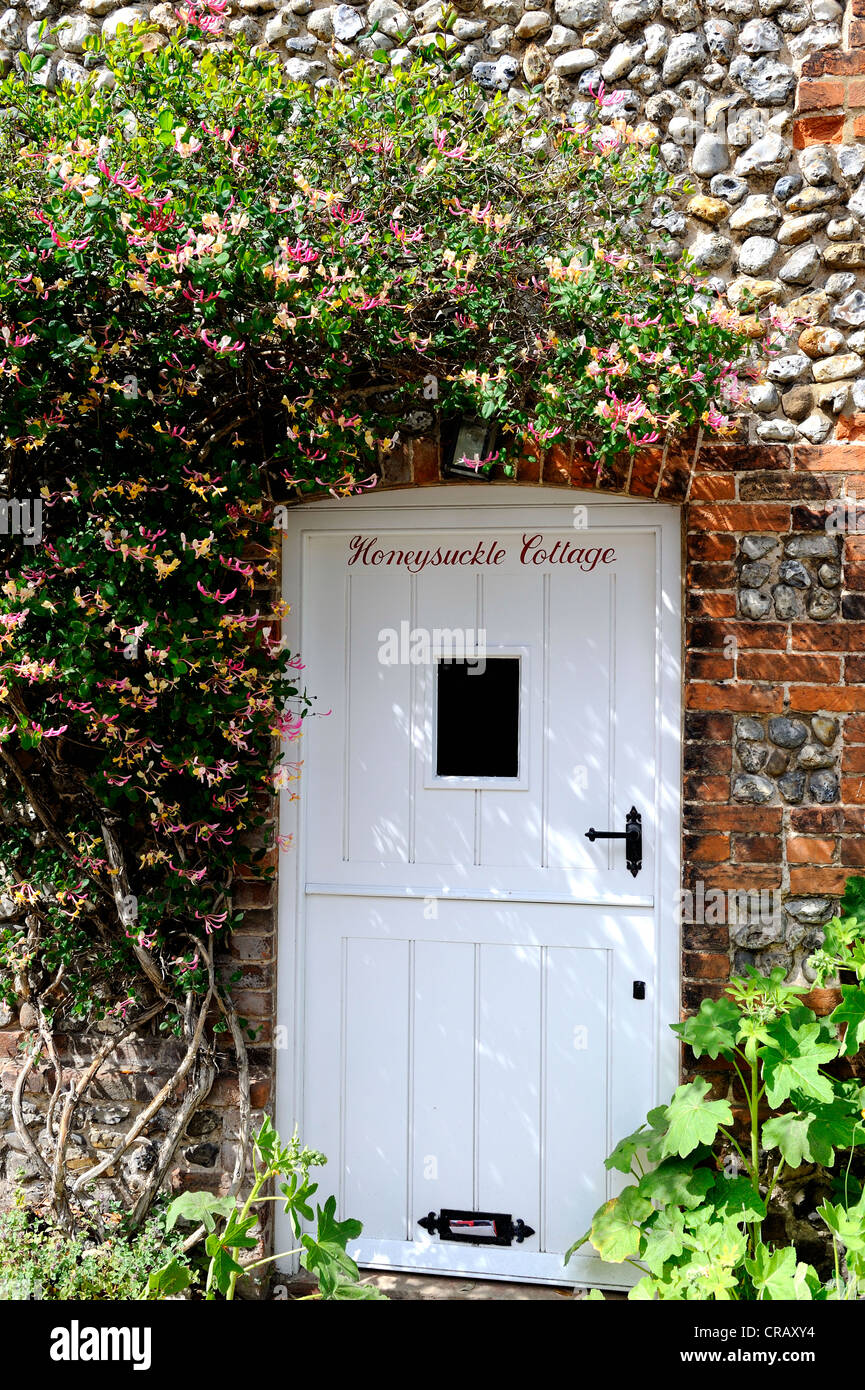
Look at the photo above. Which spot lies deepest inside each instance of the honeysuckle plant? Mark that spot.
(702, 1217)
(219, 291)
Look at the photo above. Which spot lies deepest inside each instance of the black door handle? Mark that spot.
(632, 835)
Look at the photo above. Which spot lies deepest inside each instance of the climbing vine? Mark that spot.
(220, 290)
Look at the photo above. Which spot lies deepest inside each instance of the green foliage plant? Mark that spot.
(222, 291)
(699, 1218)
(229, 1227)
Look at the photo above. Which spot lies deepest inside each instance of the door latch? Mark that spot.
(632, 835)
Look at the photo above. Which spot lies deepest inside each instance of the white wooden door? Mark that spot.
(479, 990)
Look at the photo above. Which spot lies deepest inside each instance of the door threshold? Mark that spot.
(439, 1288)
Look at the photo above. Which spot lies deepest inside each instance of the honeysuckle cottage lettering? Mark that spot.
(533, 550)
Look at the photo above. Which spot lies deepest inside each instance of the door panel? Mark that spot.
(471, 1033)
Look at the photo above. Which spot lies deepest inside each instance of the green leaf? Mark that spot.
(676, 1183)
(778, 1276)
(623, 1154)
(852, 1012)
(791, 1062)
(324, 1254)
(223, 1263)
(692, 1119)
(664, 1239)
(713, 1030)
(614, 1234)
(347, 1289)
(735, 1199)
(172, 1278)
(200, 1207)
(789, 1133)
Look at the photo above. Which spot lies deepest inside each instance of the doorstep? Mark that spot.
(402, 1288)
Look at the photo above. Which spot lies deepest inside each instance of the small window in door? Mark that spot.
(477, 719)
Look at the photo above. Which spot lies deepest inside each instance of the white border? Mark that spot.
(452, 507)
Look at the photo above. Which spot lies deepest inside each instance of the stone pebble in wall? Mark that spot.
(797, 578)
(711, 82)
(785, 937)
(787, 760)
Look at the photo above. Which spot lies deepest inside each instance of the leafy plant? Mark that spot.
(228, 1226)
(40, 1260)
(699, 1219)
(220, 289)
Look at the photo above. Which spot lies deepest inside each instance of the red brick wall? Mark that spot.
(830, 100)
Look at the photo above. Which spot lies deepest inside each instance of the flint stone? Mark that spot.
(786, 602)
(756, 254)
(752, 788)
(787, 368)
(710, 249)
(753, 603)
(812, 198)
(72, 30)
(721, 37)
(816, 427)
(851, 310)
(757, 935)
(757, 214)
(711, 155)
(787, 733)
(786, 186)
(802, 266)
(822, 604)
(768, 155)
(820, 342)
(825, 729)
(812, 547)
(813, 912)
(202, 1122)
(845, 364)
(844, 254)
(792, 786)
(749, 729)
(793, 572)
(621, 60)
(842, 229)
(685, 53)
(763, 398)
(657, 43)
(793, 230)
(830, 578)
(202, 1155)
(769, 82)
(755, 293)
(579, 14)
(533, 22)
(776, 431)
(761, 36)
(631, 14)
(560, 39)
(566, 64)
(798, 402)
(824, 787)
(816, 166)
(754, 574)
(764, 962)
(813, 756)
(753, 756)
(755, 547)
